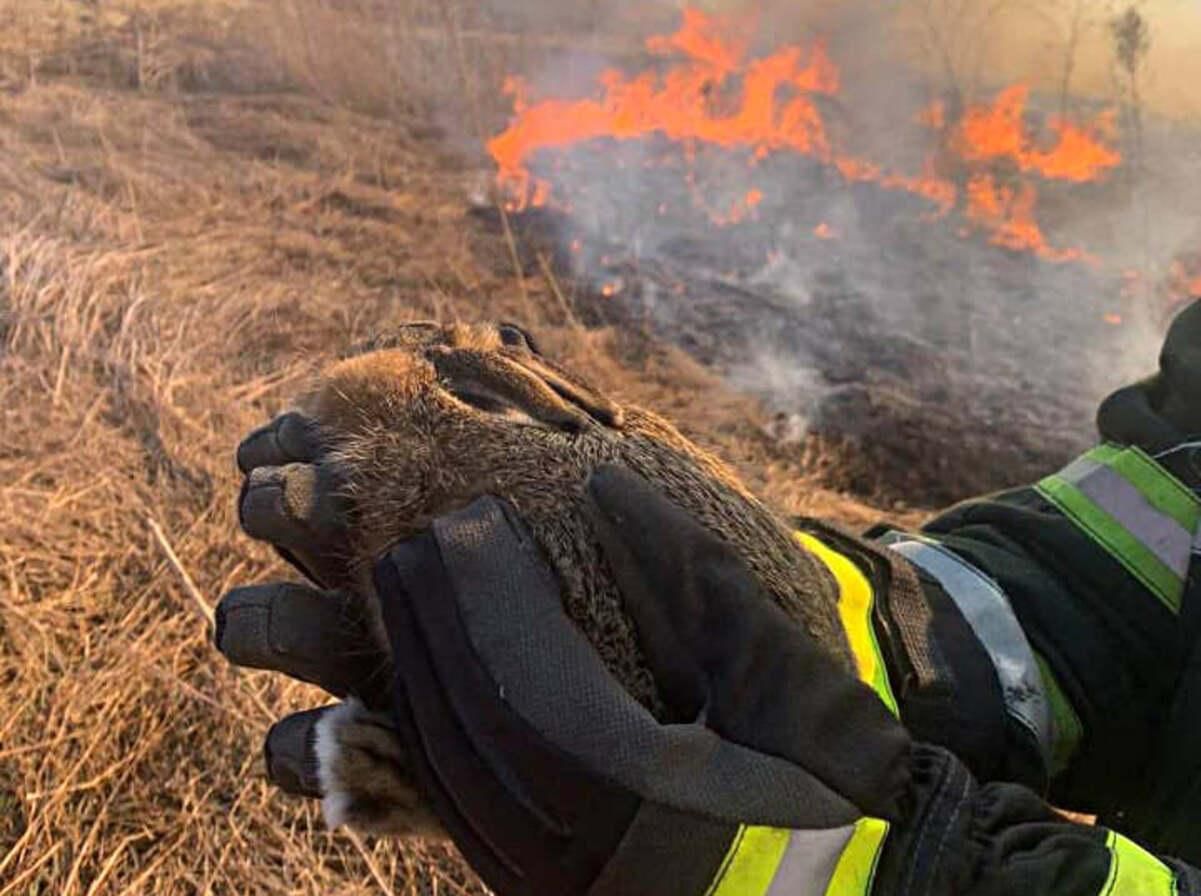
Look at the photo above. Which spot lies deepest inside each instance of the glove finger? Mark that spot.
(290, 753)
(293, 505)
(301, 510)
(320, 637)
(289, 438)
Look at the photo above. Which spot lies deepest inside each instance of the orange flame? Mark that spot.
(1008, 214)
(998, 131)
(712, 93)
(680, 105)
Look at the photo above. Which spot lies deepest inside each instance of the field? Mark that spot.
(203, 201)
(198, 204)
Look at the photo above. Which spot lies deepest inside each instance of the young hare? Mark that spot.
(434, 416)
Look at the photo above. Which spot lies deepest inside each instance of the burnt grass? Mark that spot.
(905, 358)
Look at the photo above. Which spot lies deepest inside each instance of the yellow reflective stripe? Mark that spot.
(750, 866)
(1121, 543)
(857, 867)
(855, 602)
(1162, 490)
(1066, 727)
(763, 861)
(1135, 510)
(1135, 872)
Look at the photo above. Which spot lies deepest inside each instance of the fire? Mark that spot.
(681, 105)
(697, 38)
(990, 132)
(1007, 213)
(708, 91)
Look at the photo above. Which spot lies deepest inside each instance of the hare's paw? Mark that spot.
(366, 782)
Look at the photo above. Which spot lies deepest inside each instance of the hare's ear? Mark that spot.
(505, 385)
(567, 387)
(520, 345)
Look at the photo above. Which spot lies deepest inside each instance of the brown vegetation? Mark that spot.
(199, 204)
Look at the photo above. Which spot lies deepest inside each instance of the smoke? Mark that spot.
(800, 282)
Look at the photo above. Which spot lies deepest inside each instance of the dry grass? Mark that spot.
(188, 228)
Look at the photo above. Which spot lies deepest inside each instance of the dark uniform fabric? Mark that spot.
(1128, 665)
(1116, 652)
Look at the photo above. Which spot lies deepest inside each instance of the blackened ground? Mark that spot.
(906, 358)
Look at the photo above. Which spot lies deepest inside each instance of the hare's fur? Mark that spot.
(366, 782)
(440, 415)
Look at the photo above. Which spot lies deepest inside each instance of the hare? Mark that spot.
(434, 416)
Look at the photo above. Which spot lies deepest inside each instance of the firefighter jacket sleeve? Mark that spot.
(771, 769)
(1094, 568)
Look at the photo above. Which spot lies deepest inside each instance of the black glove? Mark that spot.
(319, 637)
(778, 773)
(290, 498)
(551, 779)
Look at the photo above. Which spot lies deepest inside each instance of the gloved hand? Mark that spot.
(551, 779)
(348, 753)
(777, 773)
(776, 770)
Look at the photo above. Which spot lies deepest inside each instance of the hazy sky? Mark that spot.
(1025, 41)
(1032, 48)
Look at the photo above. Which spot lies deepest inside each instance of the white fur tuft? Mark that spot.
(335, 801)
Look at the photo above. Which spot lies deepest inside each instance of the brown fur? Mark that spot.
(365, 775)
(439, 415)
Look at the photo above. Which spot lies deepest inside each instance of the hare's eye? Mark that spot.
(513, 335)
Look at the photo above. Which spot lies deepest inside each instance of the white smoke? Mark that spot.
(827, 282)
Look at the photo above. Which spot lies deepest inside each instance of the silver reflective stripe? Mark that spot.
(987, 610)
(809, 861)
(1109, 490)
